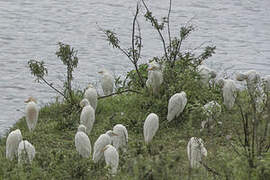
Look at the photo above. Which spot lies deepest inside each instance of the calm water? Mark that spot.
(29, 29)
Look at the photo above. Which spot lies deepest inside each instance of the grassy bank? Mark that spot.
(164, 158)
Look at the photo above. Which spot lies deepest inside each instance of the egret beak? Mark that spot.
(100, 72)
(104, 149)
(27, 101)
(150, 69)
(114, 134)
(30, 99)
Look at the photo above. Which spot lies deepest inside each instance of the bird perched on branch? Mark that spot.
(266, 82)
(87, 117)
(26, 152)
(111, 158)
(229, 91)
(195, 151)
(150, 127)
(82, 142)
(206, 74)
(155, 77)
(91, 95)
(101, 142)
(12, 144)
(252, 79)
(107, 82)
(176, 106)
(254, 87)
(31, 111)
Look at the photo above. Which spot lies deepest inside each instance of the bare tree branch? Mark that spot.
(168, 26)
(121, 92)
(159, 32)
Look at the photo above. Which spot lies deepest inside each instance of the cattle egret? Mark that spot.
(31, 110)
(111, 157)
(120, 139)
(12, 143)
(266, 82)
(101, 142)
(91, 95)
(254, 86)
(176, 105)
(26, 152)
(229, 91)
(107, 82)
(150, 127)
(195, 151)
(206, 74)
(82, 142)
(212, 110)
(87, 117)
(155, 77)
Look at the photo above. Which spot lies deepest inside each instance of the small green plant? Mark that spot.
(69, 58)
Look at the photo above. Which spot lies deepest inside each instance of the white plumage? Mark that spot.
(206, 74)
(254, 86)
(26, 152)
(107, 82)
(87, 117)
(150, 127)
(266, 82)
(12, 143)
(91, 95)
(195, 151)
(155, 77)
(176, 105)
(112, 158)
(31, 111)
(212, 110)
(120, 140)
(252, 78)
(82, 142)
(229, 91)
(101, 142)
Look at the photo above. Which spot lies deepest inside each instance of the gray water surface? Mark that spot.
(29, 29)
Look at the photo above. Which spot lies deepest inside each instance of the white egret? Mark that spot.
(111, 158)
(31, 110)
(206, 74)
(120, 139)
(195, 151)
(101, 142)
(254, 86)
(150, 127)
(26, 152)
(252, 79)
(107, 82)
(87, 117)
(82, 142)
(155, 77)
(176, 105)
(229, 91)
(212, 110)
(91, 95)
(12, 143)
(266, 82)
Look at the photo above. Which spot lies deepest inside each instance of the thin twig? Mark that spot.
(210, 169)
(50, 85)
(136, 58)
(121, 92)
(168, 25)
(158, 30)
